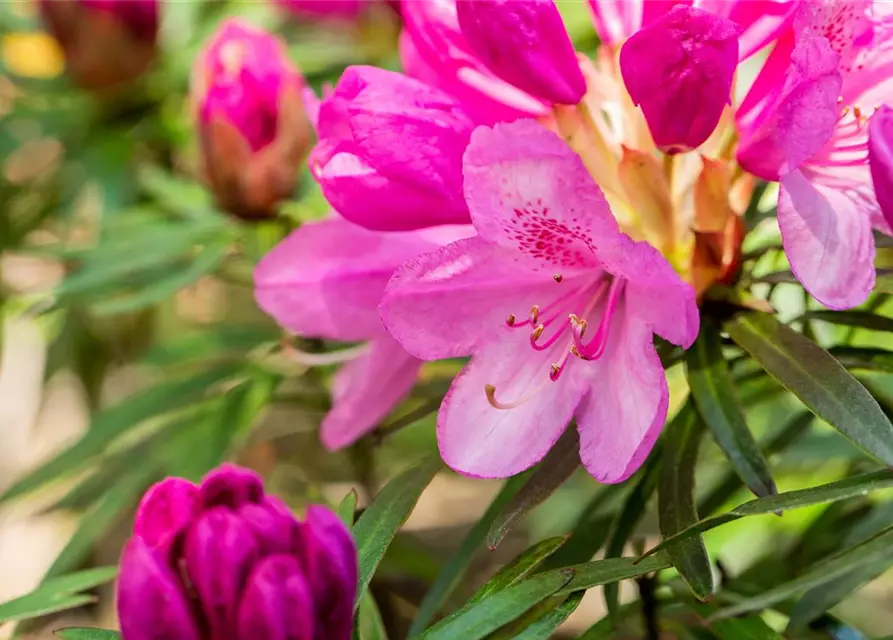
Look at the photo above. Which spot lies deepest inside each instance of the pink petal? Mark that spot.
(525, 43)
(477, 440)
(434, 49)
(880, 157)
(165, 510)
(841, 24)
(529, 192)
(231, 486)
(828, 240)
(616, 20)
(326, 278)
(277, 603)
(621, 417)
(444, 303)
(366, 389)
(679, 69)
(803, 119)
(762, 21)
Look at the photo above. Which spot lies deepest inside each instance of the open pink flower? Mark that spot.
(804, 123)
(325, 280)
(557, 307)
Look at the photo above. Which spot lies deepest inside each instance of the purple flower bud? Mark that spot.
(525, 43)
(390, 150)
(278, 603)
(223, 561)
(679, 69)
(107, 43)
(251, 118)
(880, 158)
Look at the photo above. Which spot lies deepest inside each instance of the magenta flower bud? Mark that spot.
(525, 43)
(225, 561)
(251, 118)
(679, 70)
(107, 43)
(389, 155)
(880, 158)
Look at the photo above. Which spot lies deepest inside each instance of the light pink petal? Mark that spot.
(880, 156)
(679, 69)
(366, 389)
(625, 410)
(804, 118)
(478, 440)
(762, 21)
(529, 192)
(841, 24)
(616, 20)
(525, 43)
(828, 240)
(326, 278)
(444, 303)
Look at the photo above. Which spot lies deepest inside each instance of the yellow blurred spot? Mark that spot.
(32, 55)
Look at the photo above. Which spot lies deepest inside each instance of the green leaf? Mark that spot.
(876, 551)
(369, 623)
(864, 358)
(454, 569)
(559, 464)
(599, 572)
(814, 376)
(858, 485)
(716, 399)
(113, 422)
(81, 633)
(347, 508)
(57, 594)
(475, 621)
(591, 529)
(519, 568)
(676, 503)
(547, 625)
(750, 627)
(858, 319)
(628, 519)
(380, 521)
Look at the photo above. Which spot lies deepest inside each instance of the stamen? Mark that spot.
(322, 359)
(510, 321)
(558, 277)
(534, 314)
(538, 332)
(559, 367)
(595, 348)
(490, 390)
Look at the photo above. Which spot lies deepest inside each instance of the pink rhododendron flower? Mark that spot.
(251, 119)
(390, 147)
(805, 124)
(225, 560)
(434, 49)
(679, 69)
(325, 280)
(880, 156)
(556, 306)
(525, 43)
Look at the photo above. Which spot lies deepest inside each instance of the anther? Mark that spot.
(538, 331)
(839, 99)
(510, 321)
(555, 372)
(558, 277)
(576, 352)
(857, 112)
(534, 314)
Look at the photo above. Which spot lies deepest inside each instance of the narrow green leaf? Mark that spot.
(25, 608)
(380, 521)
(347, 508)
(605, 628)
(676, 503)
(558, 465)
(716, 400)
(858, 319)
(869, 358)
(369, 623)
(814, 376)
(590, 530)
(118, 419)
(519, 568)
(80, 580)
(454, 569)
(627, 521)
(858, 485)
(475, 621)
(547, 625)
(76, 633)
(750, 627)
(599, 572)
(878, 550)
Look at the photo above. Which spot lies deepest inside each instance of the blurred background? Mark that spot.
(132, 348)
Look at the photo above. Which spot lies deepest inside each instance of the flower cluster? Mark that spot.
(225, 560)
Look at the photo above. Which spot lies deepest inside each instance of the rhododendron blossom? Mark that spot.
(557, 308)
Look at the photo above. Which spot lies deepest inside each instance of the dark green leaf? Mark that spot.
(75, 633)
(858, 485)
(590, 530)
(749, 627)
(858, 319)
(716, 399)
(599, 572)
(814, 376)
(347, 508)
(558, 465)
(876, 551)
(676, 505)
(629, 518)
(869, 358)
(454, 569)
(546, 625)
(519, 568)
(477, 620)
(380, 521)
